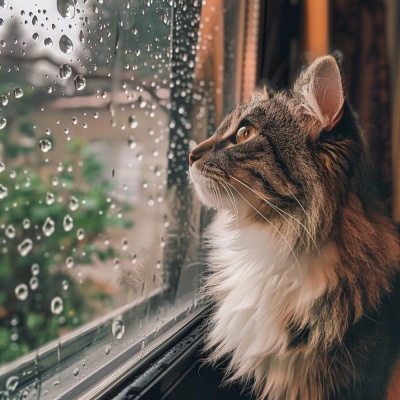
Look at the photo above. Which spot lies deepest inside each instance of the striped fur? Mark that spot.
(303, 260)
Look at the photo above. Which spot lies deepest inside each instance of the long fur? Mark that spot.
(304, 263)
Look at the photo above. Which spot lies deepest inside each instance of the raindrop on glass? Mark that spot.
(2, 167)
(70, 262)
(73, 203)
(137, 52)
(25, 247)
(57, 305)
(34, 20)
(49, 89)
(21, 291)
(80, 82)
(65, 284)
(80, 234)
(35, 269)
(18, 92)
(66, 8)
(48, 42)
(118, 329)
(50, 198)
(81, 37)
(10, 232)
(66, 46)
(48, 227)
(68, 223)
(4, 100)
(133, 122)
(108, 349)
(3, 191)
(65, 71)
(34, 283)
(26, 223)
(76, 371)
(3, 122)
(131, 142)
(35, 36)
(12, 381)
(45, 145)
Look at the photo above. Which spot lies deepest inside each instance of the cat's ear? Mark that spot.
(260, 95)
(320, 91)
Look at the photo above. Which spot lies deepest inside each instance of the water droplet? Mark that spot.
(131, 142)
(48, 42)
(80, 234)
(108, 349)
(81, 37)
(65, 284)
(48, 227)
(57, 305)
(118, 329)
(45, 145)
(26, 223)
(137, 52)
(18, 92)
(10, 232)
(68, 223)
(35, 36)
(34, 283)
(50, 198)
(65, 71)
(70, 262)
(66, 8)
(12, 381)
(76, 371)
(47, 131)
(4, 100)
(4, 5)
(49, 89)
(25, 247)
(3, 191)
(80, 82)
(133, 122)
(66, 46)
(3, 122)
(34, 20)
(73, 203)
(21, 291)
(35, 269)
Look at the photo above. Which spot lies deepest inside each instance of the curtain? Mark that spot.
(358, 29)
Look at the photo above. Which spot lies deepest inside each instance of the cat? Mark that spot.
(304, 261)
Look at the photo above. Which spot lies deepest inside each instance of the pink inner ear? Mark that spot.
(328, 92)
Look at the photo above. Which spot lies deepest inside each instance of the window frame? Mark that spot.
(33, 368)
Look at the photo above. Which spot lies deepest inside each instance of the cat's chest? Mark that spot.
(261, 287)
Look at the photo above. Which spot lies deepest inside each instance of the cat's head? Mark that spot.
(291, 157)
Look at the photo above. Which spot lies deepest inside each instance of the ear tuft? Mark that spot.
(321, 92)
(260, 95)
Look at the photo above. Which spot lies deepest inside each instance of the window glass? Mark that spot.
(100, 102)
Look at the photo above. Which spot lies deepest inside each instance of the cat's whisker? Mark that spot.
(301, 206)
(232, 200)
(280, 211)
(276, 229)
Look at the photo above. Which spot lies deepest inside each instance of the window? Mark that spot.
(100, 233)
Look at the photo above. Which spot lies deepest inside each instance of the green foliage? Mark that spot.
(63, 215)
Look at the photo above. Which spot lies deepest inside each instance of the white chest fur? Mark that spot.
(260, 286)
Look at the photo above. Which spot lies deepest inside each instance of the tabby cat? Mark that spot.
(304, 261)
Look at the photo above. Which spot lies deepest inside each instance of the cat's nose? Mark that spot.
(193, 158)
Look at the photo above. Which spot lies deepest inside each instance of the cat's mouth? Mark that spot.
(218, 189)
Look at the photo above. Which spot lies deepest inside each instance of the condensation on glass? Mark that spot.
(100, 102)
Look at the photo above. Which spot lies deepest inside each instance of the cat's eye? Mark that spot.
(244, 133)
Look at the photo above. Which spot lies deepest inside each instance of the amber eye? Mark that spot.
(244, 133)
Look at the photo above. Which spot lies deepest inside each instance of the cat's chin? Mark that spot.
(205, 188)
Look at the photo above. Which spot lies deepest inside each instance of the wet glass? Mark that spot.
(100, 102)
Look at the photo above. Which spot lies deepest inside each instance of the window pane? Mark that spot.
(99, 103)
